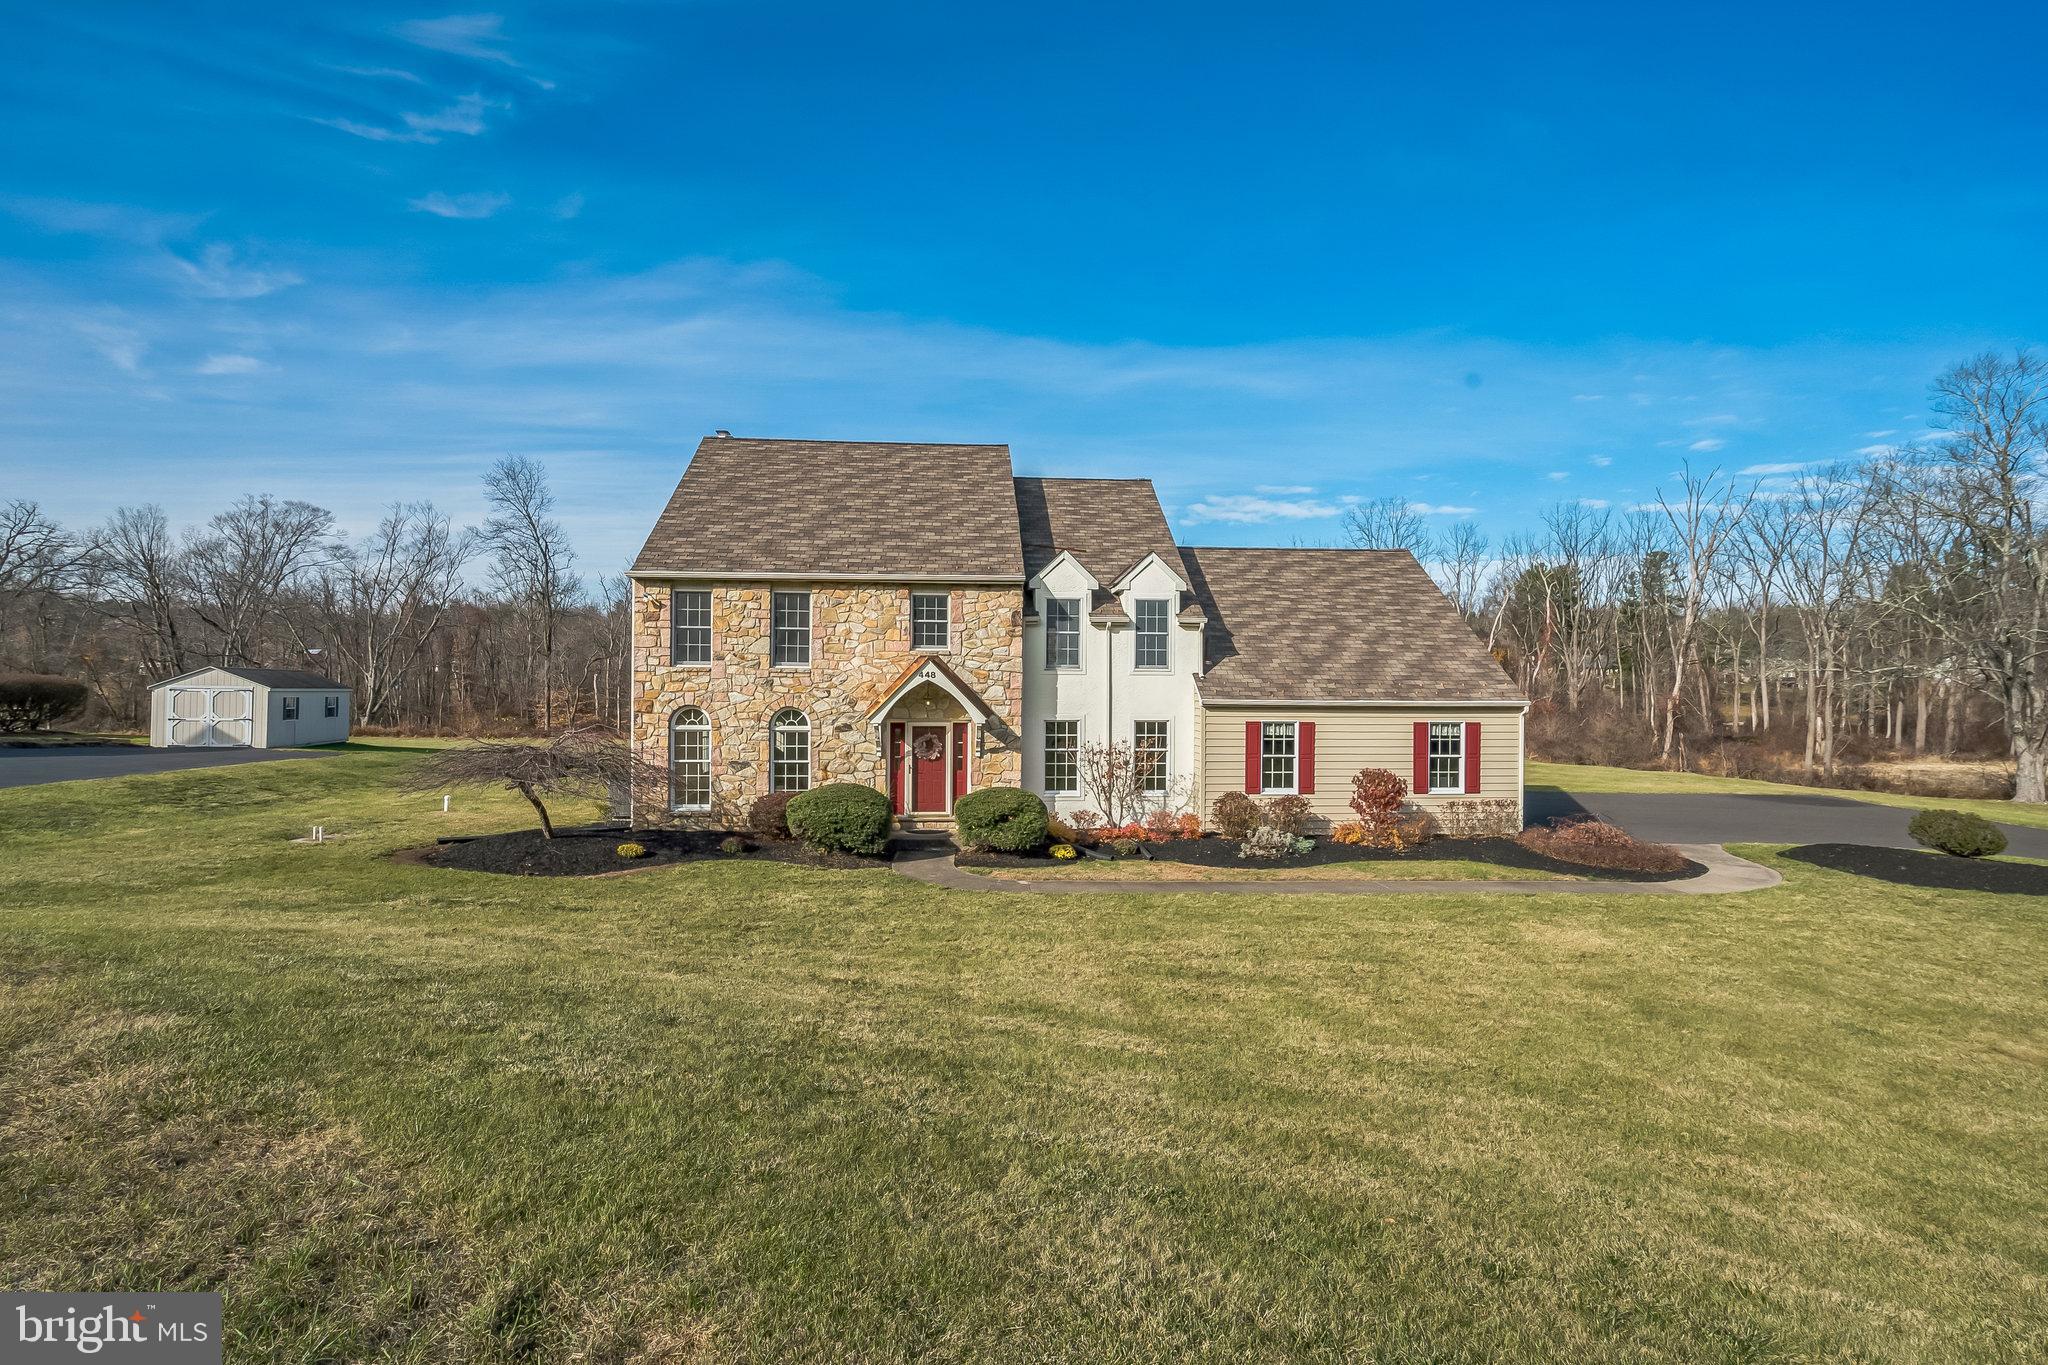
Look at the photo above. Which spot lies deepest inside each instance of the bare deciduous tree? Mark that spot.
(531, 559)
(1389, 524)
(237, 570)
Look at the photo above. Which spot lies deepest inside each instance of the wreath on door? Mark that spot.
(929, 748)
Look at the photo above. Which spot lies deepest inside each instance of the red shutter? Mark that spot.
(959, 759)
(1251, 757)
(896, 766)
(1306, 784)
(1471, 758)
(1421, 787)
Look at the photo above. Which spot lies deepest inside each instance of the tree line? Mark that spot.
(1827, 612)
(436, 627)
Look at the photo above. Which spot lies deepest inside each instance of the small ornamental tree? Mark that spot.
(1377, 795)
(583, 762)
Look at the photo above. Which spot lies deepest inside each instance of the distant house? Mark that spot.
(247, 708)
(916, 618)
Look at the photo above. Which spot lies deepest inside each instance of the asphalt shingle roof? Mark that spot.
(1335, 625)
(832, 508)
(1108, 524)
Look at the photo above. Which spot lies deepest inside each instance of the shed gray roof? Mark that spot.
(265, 677)
(1335, 625)
(1107, 524)
(839, 508)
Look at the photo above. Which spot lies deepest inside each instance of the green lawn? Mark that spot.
(751, 1112)
(1581, 777)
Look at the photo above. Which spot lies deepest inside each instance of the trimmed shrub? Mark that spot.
(1235, 815)
(769, 815)
(1189, 826)
(1002, 818)
(631, 850)
(1593, 843)
(1957, 832)
(1493, 817)
(732, 845)
(1266, 842)
(841, 817)
(1288, 813)
(30, 701)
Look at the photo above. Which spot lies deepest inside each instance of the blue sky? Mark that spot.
(1277, 258)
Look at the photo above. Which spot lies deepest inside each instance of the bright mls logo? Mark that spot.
(167, 1329)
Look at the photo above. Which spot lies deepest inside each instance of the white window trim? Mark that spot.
(1045, 754)
(673, 804)
(1165, 636)
(810, 765)
(945, 645)
(1165, 754)
(1430, 758)
(810, 627)
(1051, 633)
(1294, 788)
(287, 708)
(710, 635)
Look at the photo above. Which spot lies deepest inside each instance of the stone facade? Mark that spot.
(860, 646)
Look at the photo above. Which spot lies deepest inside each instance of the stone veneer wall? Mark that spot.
(860, 644)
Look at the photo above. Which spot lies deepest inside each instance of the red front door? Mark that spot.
(928, 768)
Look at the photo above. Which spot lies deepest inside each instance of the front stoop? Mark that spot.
(924, 824)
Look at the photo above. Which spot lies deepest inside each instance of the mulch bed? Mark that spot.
(1941, 871)
(592, 849)
(1219, 852)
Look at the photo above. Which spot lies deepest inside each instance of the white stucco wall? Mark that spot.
(1107, 693)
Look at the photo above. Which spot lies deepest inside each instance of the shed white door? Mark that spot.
(210, 717)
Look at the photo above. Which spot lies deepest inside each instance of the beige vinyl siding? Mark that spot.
(1349, 738)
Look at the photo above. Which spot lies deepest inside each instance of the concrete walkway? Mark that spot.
(933, 864)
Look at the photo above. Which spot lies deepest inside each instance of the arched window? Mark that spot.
(689, 760)
(789, 753)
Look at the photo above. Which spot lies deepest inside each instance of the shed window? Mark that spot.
(930, 619)
(789, 759)
(1152, 613)
(1148, 754)
(792, 630)
(690, 626)
(330, 707)
(689, 760)
(291, 708)
(1062, 756)
(1277, 756)
(1063, 632)
(1446, 756)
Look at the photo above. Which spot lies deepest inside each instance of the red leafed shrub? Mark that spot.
(1160, 824)
(1235, 815)
(1376, 795)
(1133, 833)
(1594, 843)
(1189, 826)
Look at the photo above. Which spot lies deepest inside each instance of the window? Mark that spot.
(1276, 756)
(1446, 756)
(792, 630)
(1148, 752)
(789, 755)
(1151, 618)
(931, 616)
(1063, 755)
(1062, 632)
(291, 708)
(689, 760)
(690, 626)
(330, 707)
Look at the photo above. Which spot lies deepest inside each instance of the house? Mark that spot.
(247, 708)
(916, 618)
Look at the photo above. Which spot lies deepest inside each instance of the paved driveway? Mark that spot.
(67, 763)
(1745, 819)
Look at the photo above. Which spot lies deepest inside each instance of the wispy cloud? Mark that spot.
(374, 132)
(217, 275)
(1707, 446)
(1440, 509)
(381, 73)
(1782, 467)
(478, 36)
(568, 206)
(121, 345)
(1597, 504)
(1878, 451)
(460, 205)
(1557, 476)
(1244, 509)
(1285, 490)
(465, 116)
(1589, 397)
(1600, 461)
(118, 222)
(230, 364)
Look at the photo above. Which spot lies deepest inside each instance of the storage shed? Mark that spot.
(247, 708)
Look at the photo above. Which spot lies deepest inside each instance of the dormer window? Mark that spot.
(931, 616)
(1151, 615)
(1062, 632)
